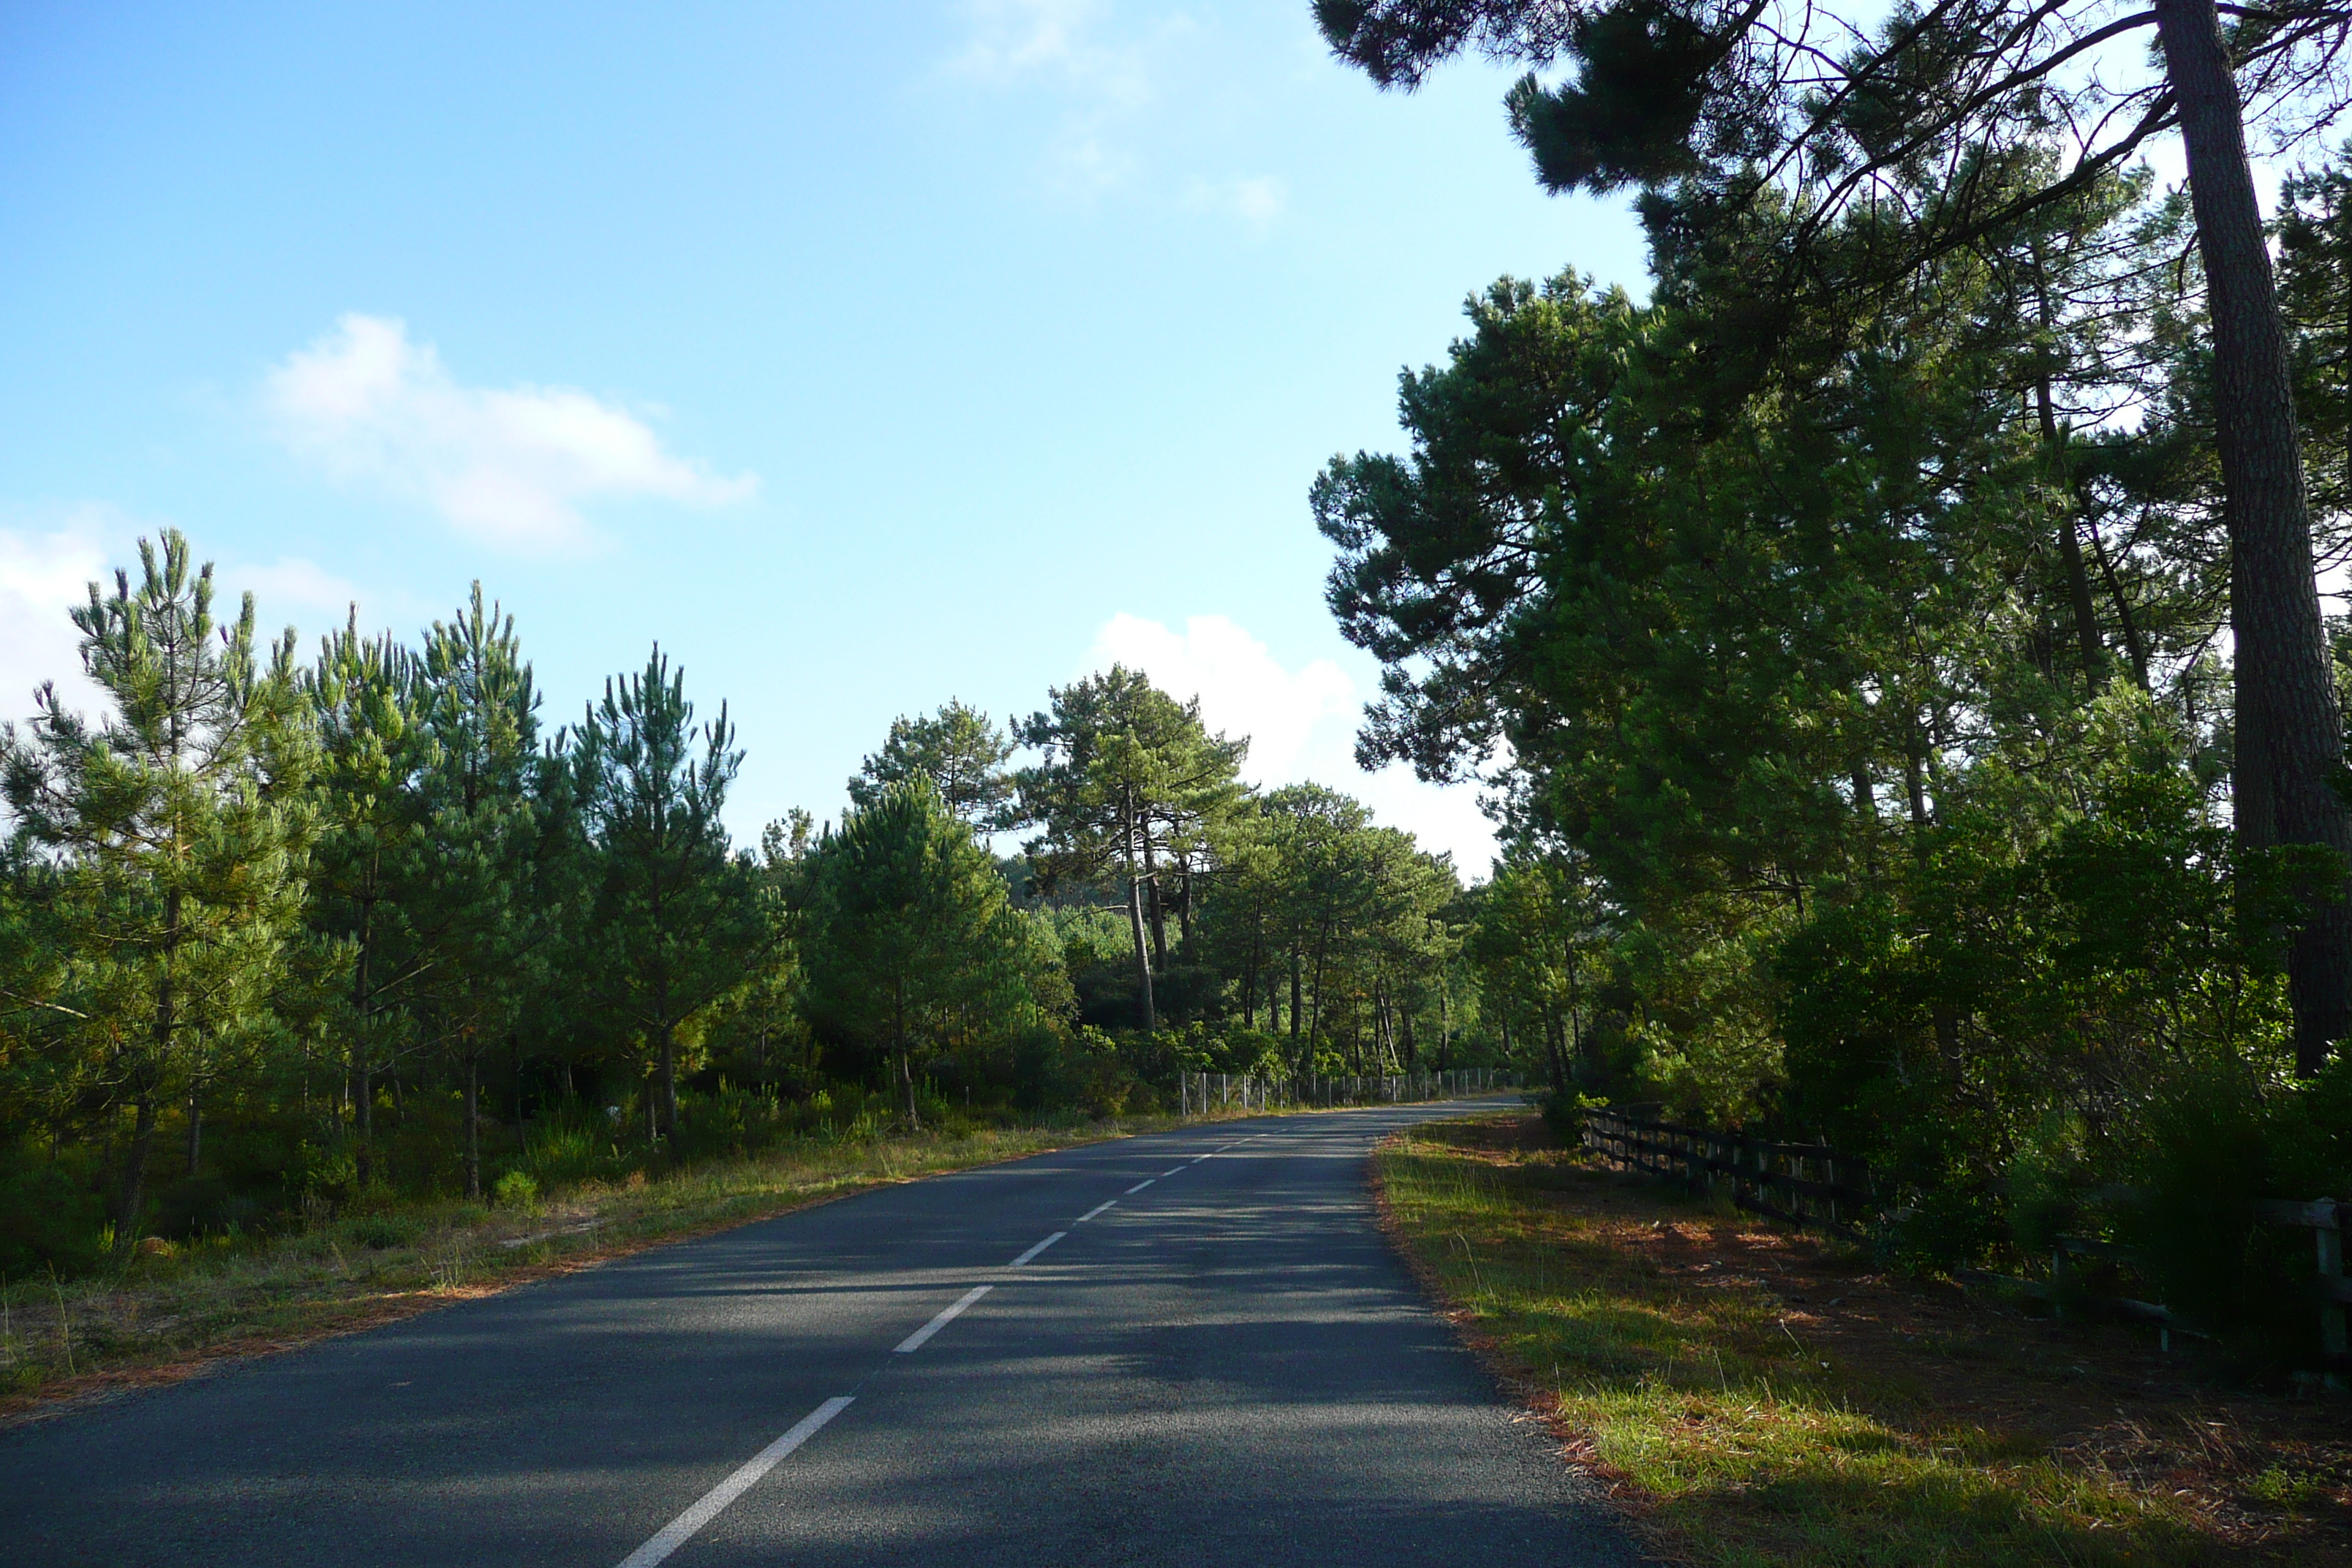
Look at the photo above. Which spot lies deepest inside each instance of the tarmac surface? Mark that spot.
(1220, 1361)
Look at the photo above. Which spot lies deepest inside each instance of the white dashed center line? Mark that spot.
(1139, 1186)
(917, 1340)
(679, 1530)
(1094, 1211)
(1177, 1171)
(1037, 1249)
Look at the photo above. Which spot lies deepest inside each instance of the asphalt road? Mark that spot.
(1226, 1365)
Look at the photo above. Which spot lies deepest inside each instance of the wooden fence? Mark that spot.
(1815, 1185)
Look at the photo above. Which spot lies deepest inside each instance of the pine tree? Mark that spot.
(180, 836)
(480, 933)
(677, 920)
(1131, 778)
(911, 943)
(375, 752)
(960, 750)
(1717, 109)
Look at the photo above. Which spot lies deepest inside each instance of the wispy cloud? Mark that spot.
(1257, 201)
(1103, 76)
(509, 465)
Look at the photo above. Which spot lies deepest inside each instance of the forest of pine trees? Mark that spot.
(368, 925)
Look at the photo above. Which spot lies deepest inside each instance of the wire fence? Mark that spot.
(1201, 1093)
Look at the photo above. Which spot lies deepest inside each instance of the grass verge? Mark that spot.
(1758, 1396)
(167, 1315)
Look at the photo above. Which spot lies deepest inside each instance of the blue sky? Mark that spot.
(863, 355)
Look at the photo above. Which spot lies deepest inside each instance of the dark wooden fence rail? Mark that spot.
(1813, 1184)
(1804, 1183)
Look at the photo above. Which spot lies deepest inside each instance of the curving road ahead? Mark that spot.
(1189, 1348)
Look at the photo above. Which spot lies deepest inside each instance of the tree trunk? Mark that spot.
(1249, 982)
(1142, 958)
(2093, 651)
(1294, 1009)
(364, 1085)
(1134, 930)
(669, 1083)
(131, 1195)
(2134, 646)
(2290, 734)
(1916, 787)
(195, 1130)
(906, 1062)
(473, 1125)
(363, 1093)
(1159, 914)
(1322, 948)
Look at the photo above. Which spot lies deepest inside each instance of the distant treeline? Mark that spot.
(278, 932)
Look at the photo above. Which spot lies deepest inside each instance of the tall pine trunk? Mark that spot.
(2089, 645)
(1158, 914)
(473, 1124)
(363, 1089)
(899, 1039)
(131, 1195)
(1135, 929)
(669, 1083)
(2290, 736)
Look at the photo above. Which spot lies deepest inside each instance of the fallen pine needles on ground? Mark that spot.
(1756, 1395)
(174, 1310)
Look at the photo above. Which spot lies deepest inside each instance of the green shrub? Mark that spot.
(516, 1190)
(1564, 1110)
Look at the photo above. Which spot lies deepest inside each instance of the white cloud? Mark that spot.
(1243, 689)
(43, 574)
(1301, 724)
(509, 465)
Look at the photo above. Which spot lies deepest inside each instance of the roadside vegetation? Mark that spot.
(1755, 1397)
(1893, 637)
